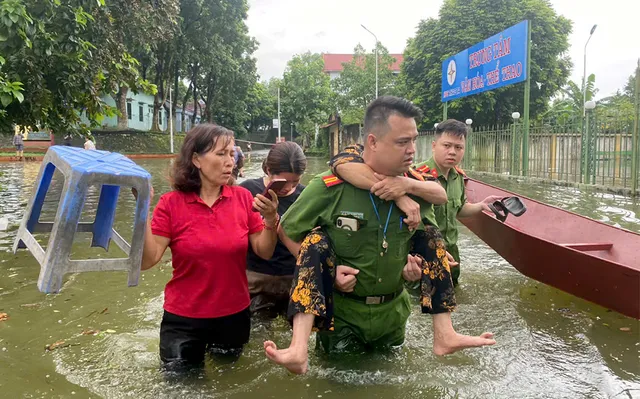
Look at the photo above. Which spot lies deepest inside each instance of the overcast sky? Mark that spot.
(288, 27)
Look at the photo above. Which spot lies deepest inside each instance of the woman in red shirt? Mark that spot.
(209, 226)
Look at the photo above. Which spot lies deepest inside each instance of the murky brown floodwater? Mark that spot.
(550, 344)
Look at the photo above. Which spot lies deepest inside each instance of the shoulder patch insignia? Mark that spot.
(414, 174)
(459, 170)
(331, 180)
(427, 170)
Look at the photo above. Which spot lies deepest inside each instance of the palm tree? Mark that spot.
(569, 105)
(574, 92)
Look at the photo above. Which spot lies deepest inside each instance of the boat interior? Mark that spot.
(565, 228)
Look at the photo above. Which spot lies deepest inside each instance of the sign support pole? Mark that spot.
(445, 105)
(527, 95)
(635, 142)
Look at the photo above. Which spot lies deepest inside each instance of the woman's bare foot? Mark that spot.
(446, 345)
(293, 359)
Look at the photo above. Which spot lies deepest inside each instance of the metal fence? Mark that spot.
(582, 151)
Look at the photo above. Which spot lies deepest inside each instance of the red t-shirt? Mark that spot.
(208, 251)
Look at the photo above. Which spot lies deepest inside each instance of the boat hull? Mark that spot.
(578, 255)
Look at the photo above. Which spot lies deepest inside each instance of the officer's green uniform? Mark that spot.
(446, 214)
(320, 205)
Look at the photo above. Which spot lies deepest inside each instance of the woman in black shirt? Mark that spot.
(270, 280)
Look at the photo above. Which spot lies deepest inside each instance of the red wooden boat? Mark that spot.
(578, 255)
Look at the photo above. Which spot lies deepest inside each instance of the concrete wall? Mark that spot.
(126, 142)
(130, 142)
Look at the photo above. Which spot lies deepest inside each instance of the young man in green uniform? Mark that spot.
(447, 151)
(369, 242)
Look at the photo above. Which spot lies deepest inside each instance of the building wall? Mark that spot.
(177, 127)
(139, 112)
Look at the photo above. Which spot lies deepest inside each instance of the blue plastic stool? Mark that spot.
(82, 169)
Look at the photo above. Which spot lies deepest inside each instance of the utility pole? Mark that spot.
(635, 141)
(278, 114)
(527, 97)
(171, 121)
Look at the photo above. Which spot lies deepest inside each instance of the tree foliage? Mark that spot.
(463, 23)
(261, 107)
(139, 27)
(60, 58)
(305, 93)
(621, 106)
(214, 52)
(568, 106)
(356, 86)
(64, 56)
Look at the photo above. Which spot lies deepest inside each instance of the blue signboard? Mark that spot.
(500, 60)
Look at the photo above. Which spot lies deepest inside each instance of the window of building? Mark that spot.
(160, 117)
(141, 112)
(129, 110)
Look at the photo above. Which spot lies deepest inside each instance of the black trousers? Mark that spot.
(185, 340)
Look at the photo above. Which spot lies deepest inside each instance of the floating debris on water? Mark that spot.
(55, 345)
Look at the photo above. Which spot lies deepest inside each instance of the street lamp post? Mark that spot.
(468, 160)
(515, 144)
(375, 37)
(584, 74)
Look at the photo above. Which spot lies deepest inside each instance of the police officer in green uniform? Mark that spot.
(447, 151)
(371, 241)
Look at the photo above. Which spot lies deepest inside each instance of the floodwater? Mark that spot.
(550, 344)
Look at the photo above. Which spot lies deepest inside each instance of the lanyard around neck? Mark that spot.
(375, 209)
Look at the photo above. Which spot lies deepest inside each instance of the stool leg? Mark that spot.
(105, 216)
(33, 213)
(139, 228)
(62, 234)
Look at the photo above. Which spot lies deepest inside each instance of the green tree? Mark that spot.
(214, 52)
(138, 26)
(305, 93)
(59, 57)
(619, 108)
(463, 23)
(356, 86)
(231, 70)
(577, 94)
(568, 106)
(261, 107)
(630, 87)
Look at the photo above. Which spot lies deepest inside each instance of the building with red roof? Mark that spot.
(333, 63)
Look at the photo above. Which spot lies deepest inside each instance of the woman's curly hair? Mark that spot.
(201, 139)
